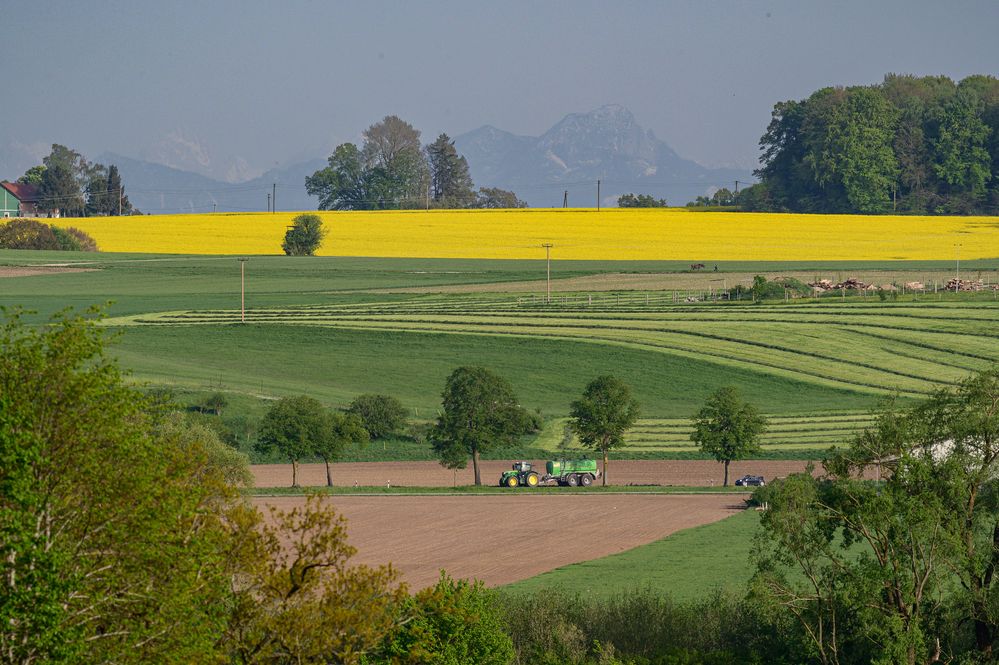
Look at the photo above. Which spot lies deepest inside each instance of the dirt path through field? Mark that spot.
(30, 271)
(700, 473)
(502, 539)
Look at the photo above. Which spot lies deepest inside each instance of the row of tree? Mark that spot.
(71, 186)
(393, 170)
(910, 144)
(480, 413)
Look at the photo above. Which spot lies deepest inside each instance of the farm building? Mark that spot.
(20, 200)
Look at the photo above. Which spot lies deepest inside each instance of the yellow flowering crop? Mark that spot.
(624, 234)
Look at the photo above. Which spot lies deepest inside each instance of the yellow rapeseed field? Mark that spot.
(629, 234)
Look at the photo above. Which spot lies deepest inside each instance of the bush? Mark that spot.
(305, 236)
(771, 290)
(452, 622)
(31, 234)
(381, 415)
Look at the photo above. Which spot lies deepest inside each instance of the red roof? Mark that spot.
(21, 191)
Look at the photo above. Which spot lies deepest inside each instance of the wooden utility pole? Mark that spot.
(268, 202)
(565, 199)
(598, 196)
(242, 289)
(274, 197)
(548, 259)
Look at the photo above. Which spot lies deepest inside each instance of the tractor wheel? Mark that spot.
(586, 480)
(512, 481)
(572, 480)
(532, 480)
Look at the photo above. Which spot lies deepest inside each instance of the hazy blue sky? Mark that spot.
(278, 81)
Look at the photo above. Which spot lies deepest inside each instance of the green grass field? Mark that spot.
(327, 327)
(688, 565)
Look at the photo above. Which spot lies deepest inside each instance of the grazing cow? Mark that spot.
(696, 266)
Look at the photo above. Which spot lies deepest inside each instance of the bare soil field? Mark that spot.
(693, 281)
(700, 473)
(502, 539)
(30, 271)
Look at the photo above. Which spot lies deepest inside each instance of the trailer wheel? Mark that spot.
(532, 480)
(512, 481)
(586, 480)
(572, 480)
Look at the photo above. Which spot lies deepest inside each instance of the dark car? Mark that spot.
(747, 481)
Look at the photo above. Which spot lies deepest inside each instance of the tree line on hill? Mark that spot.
(71, 186)
(393, 170)
(916, 145)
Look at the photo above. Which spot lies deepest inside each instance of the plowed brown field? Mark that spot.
(701, 473)
(500, 539)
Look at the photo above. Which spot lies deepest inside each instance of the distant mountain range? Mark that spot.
(154, 188)
(605, 144)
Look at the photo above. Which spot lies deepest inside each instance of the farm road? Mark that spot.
(502, 539)
(699, 473)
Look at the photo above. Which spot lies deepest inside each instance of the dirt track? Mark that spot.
(701, 473)
(501, 539)
(29, 271)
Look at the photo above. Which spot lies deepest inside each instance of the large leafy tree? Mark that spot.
(603, 414)
(295, 427)
(960, 159)
(343, 184)
(397, 170)
(479, 413)
(727, 428)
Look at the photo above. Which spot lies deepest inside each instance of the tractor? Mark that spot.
(565, 472)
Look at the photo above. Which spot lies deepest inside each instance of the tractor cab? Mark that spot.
(522, 473)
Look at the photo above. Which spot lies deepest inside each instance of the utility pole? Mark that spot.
(215, 206)
(242, 289)
(565, 199)
(268, 202)
(736, 186)
(598, 196)
(548, 258)
(957, 249)
(274, 197)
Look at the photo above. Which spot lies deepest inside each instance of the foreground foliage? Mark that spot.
(900, 570)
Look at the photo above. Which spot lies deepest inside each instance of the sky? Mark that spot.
(270, 83)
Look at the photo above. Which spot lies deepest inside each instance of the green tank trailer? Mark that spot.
(567, 472)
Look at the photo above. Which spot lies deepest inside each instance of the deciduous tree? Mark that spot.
(305, 235)
(381, 415)
(728, 428)
(294, 427)
(479, 413)
(603, 414)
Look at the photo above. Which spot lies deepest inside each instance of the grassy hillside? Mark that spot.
(688, 565)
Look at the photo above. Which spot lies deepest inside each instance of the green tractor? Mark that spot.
(570, 473)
